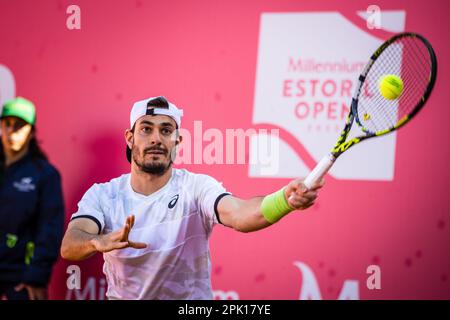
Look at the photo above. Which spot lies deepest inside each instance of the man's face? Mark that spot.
(153, 142)
(15, 133)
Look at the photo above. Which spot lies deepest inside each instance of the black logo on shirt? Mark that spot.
(173, 202)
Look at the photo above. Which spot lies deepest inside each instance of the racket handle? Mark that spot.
(319, 171)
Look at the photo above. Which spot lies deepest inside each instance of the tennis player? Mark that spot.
(153, 224)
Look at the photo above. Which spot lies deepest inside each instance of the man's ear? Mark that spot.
(129, 138)
(176, 137)
(179, 139)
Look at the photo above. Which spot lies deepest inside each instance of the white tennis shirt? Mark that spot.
(175, 222)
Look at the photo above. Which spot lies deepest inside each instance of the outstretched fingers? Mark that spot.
(137, 245)
(119, 245)
(132, 219)
(126, 229)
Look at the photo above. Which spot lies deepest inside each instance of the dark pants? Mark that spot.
(7, 291)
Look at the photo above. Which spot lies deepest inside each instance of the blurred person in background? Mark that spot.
(31, 206)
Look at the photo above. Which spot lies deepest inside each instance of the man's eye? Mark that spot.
(166, 131)
(145, 129)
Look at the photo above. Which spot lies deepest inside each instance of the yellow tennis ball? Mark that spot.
(391, 87)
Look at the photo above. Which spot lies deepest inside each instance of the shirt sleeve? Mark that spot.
(90, 207)
(208, 192)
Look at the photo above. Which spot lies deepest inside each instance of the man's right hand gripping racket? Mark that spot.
(400, 77)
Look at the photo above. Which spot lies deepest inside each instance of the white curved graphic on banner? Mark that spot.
(310, 288)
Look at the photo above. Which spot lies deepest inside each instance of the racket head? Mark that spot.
(408, 56)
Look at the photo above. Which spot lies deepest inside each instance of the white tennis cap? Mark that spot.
(155, 106)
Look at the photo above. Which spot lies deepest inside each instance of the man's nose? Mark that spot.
(155, 137)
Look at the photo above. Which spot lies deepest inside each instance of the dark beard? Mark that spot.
(155, 168)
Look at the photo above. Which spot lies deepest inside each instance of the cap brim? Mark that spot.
(20, 116)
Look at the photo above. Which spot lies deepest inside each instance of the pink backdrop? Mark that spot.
(202, 56)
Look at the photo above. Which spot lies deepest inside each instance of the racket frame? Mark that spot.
(325, 164)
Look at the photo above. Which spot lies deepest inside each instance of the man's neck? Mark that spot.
(145, 183)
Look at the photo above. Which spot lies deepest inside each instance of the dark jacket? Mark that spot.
(31, 221)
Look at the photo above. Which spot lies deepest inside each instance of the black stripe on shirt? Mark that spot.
(216, 203)
(92, 218)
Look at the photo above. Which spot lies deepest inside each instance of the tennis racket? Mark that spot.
(408, 56)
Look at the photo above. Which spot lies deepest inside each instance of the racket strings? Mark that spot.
(409, 59)
(387, 118)
(396, 110)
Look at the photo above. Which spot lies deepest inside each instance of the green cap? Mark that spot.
(21, 108)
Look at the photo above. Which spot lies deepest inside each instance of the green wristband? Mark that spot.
(275, 206)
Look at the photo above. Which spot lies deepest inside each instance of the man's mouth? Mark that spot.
(156, 152)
